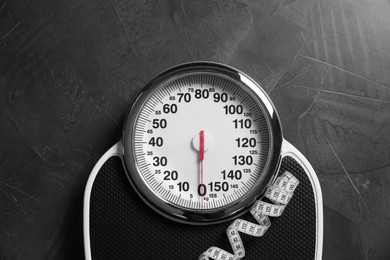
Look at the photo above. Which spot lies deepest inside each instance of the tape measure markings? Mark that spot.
(280, 193)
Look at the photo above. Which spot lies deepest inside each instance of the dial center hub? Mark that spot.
(208, 142)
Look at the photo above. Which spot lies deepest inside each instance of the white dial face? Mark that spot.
(201, 141)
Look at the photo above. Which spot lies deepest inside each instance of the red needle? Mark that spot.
(201, 146)
(201, 158)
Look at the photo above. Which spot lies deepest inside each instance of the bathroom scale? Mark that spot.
(202, 171)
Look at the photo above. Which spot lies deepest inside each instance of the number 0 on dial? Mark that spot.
(201, 143)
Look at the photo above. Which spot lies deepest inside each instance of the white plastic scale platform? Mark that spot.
(203, 172)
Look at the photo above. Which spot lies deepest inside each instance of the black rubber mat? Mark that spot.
(123, 227)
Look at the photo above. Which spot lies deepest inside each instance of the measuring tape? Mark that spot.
(279, 193)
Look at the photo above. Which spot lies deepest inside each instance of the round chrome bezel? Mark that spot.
(206, 216)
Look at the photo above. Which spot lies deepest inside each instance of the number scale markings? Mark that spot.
(183, 85)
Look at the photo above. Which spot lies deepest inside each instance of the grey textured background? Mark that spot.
(70, 69)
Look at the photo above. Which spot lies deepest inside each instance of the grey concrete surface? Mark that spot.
(70, 69)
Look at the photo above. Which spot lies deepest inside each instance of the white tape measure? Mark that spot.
(280, 194)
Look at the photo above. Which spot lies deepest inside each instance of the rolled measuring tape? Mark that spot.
(279, 193)
(201, 145)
